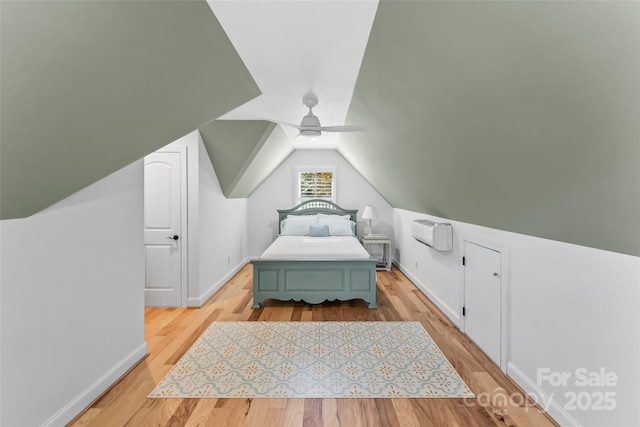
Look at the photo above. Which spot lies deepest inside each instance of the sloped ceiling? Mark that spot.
(295, 47)
(231, 145)
(89, 87)
(289, 52)
(521, 116)
(234, 147)
(275, 150)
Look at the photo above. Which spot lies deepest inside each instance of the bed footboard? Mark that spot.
(314, 281)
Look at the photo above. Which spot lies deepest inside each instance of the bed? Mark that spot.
(315, 268)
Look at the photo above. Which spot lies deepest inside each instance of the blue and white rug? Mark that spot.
(313, 359)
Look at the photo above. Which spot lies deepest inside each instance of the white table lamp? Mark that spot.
(369, 213)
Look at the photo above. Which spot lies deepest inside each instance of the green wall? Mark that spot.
(90, 86)
(244, 152)
(520, 116)
(275, 150)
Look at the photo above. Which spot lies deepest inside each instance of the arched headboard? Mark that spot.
(317, 206)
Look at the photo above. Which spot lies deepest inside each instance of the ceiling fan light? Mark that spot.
(310, 133)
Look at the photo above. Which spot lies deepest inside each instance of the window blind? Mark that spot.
(315, 185)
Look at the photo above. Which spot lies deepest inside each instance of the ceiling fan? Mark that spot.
(310, 126)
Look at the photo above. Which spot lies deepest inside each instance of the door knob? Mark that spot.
(175, 237)
(495, 274)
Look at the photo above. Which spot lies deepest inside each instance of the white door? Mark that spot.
(162, 233)
(482, 298)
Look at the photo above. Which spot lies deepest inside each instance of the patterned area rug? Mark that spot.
(313, 359)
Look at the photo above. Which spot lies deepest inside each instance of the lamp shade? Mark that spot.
(369, 213)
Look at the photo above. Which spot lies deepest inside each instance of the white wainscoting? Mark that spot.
(568, 307)
(448, 311)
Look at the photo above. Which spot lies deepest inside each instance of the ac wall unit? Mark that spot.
(438, 235)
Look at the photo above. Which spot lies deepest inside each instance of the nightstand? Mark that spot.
(369, 240)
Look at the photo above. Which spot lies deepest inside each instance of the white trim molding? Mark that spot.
(316, 169)
(543, 400)
(199, 301)
(95, 390)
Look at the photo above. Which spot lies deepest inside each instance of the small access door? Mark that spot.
(482, 298)
(162, 229)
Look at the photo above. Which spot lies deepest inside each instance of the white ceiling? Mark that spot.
(294, 47)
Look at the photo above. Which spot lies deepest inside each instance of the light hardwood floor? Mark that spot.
(170, 332)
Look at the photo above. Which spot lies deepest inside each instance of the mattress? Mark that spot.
(304, 247)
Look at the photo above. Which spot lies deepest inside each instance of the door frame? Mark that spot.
(505, 276)
(184, 231)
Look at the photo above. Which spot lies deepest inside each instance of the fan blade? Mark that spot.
(284, 123)
(348, 128)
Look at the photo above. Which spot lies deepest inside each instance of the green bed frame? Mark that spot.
(314, 280)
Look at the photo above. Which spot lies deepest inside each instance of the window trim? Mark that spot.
(315, 169)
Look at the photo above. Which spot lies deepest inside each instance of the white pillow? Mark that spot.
(338, 226)
(297, 226)
(335, 216)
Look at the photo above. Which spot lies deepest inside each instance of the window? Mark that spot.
(315, 183)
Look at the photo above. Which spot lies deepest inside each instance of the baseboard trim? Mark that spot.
(452, 315)
(545, 401)
(199, 301)
(70, 411)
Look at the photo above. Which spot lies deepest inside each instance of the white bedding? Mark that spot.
(305, 247)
